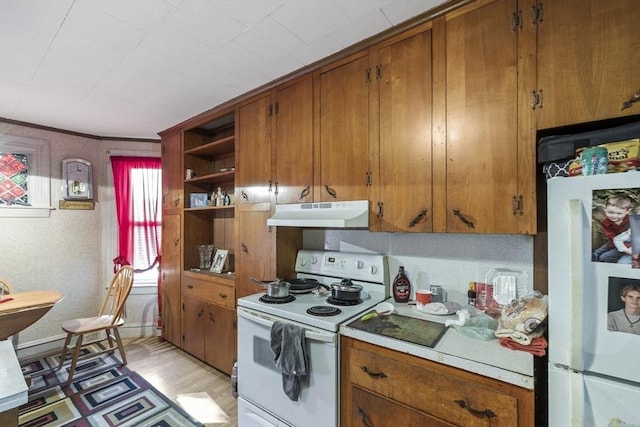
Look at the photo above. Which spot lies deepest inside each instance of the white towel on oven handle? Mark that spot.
(288, 346)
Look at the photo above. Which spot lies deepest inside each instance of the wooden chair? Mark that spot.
(6, 287)
(109, 319)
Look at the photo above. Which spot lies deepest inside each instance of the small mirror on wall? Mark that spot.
(219, 260)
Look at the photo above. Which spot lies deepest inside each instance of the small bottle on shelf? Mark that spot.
(471, 294)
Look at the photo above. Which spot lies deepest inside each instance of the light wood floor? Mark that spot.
(173, 372)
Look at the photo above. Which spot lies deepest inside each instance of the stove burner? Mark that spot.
(276, 300)
(323, 311)
(342, 302)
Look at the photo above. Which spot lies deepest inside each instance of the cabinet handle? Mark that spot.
(464, 219)
(418, 218)
(190, 286)
(364, 417)
(223, 296)
(177, 202)
(374, 375)
(270, 186)
(276, 188)
(244, 195)
(211, 318)
(304, 193)
(380, 209)
(176, 242)
(487, 413)
(330, 190)
(631, 101)
(244, 248)
(201, 312)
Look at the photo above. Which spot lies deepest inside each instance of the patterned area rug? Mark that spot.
(103, 393)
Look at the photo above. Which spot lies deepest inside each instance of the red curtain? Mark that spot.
(137, 185)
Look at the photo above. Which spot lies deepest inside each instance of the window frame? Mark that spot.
(38, 177)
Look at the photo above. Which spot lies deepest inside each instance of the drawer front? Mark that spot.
(212, 292)
(441, 394)
(369, 409)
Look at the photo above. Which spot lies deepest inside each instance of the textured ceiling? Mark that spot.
(132, 68)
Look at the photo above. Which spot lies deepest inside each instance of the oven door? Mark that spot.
(260, 382)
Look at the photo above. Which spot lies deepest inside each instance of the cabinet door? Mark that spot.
(344, 132)
(170, 278)
(294, 142)
(172, 173)
(588, 51)
(481, 118)
(405, 135)
(220, 341)
(193, 316)
(372, 410)
(253, 151)
(255, 254)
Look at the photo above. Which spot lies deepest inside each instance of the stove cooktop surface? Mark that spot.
(297, 310)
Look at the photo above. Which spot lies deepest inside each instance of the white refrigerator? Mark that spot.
(594, 370)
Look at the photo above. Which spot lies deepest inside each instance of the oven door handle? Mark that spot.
(268, 322)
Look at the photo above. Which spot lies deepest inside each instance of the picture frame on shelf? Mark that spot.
(198, 200)
(219, 260)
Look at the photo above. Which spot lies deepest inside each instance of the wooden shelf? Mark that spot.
(214, 148)
(210, 208)
(213, 178)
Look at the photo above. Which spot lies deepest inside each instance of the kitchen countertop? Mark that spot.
(14, 390)
(454, 349)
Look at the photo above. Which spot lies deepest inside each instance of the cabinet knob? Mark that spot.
(464, 219)
(330, 191)
(374, 375)
(634, 98)
(418, 218)
(364, 417)
(485, 413)
(304, 193)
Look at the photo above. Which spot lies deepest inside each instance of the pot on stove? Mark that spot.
(345, 290)
(277, 289)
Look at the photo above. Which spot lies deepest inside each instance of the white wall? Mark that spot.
(449, 260)
(65, 251)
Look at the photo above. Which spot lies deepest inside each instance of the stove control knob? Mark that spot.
(359, 264)
(373, 269)
(314, 259)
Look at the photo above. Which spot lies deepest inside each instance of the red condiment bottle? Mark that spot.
(401, 287)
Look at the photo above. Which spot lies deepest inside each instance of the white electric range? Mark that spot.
(262, 401)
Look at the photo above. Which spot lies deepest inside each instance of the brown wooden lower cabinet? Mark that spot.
(381, 387)
(209, 320)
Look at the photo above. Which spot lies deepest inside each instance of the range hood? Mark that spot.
(351, 214)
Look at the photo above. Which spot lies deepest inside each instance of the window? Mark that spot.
(138, 196)
(25, 189)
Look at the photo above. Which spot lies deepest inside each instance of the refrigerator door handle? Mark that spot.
(576, 399)
(576, 281)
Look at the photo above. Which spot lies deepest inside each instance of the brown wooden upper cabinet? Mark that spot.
(488, 147)
(172, 171)
(400, 106)
(254, 183)
(293, 145)
(588, 51)
(342, 130)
